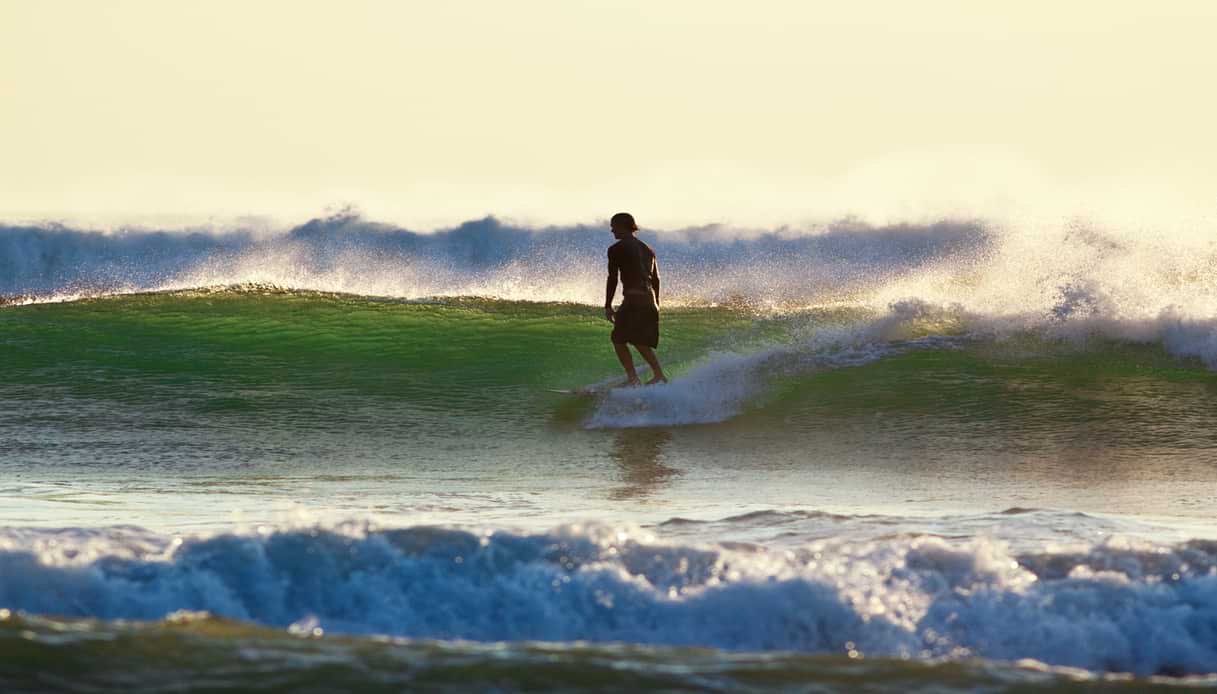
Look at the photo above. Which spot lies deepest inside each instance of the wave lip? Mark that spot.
(486, 257)
(723, 385)
(1119, 606)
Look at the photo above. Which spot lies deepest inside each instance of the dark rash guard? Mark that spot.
(635, 262)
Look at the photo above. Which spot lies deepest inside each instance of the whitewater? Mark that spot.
(954, 453)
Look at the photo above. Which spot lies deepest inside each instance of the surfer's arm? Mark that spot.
(610, 288)
(655, 279)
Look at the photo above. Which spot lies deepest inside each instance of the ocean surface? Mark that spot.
(948, 456)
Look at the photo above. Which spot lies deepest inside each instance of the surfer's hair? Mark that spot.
(624, 220)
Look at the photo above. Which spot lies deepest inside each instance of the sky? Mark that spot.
(683, 112)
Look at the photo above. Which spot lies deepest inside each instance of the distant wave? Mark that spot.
(484, 258)
(1117, 606)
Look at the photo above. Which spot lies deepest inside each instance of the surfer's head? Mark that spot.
(623, 224)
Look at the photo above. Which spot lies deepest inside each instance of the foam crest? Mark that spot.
(480, 258)
(1118, 606)
(724, 385)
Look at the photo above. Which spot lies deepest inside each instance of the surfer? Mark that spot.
(636, 320)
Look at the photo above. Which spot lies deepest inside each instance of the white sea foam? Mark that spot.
(480, 258)
(723, 385)
(1121, 605)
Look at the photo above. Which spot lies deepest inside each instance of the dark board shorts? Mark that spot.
(637, 324)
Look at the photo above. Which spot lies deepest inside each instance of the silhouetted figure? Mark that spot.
(636, 320)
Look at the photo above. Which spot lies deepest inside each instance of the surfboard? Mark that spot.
(593, 391)
(584, 392)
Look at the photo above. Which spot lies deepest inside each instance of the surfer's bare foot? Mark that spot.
(632, 382)
(657, 379)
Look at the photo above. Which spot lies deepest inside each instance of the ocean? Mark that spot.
(926, 456)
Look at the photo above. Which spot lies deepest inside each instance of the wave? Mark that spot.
(485, 257)
(255, 350)
(1069, 280)
(1119, 606)
(903, 288)
(722, 385)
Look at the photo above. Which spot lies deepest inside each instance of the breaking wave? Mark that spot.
(1118, 606)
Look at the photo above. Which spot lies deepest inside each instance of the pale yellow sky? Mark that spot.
(686, 112)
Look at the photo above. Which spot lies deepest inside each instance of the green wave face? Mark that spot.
(266, 376)
(1128, 399)
(199, 380)
(263, 349)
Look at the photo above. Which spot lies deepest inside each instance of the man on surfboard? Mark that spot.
(636, 320)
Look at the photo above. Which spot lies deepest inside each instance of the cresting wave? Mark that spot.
(479, 258)
(1065, 280)
(1120, 606)
(723, 384)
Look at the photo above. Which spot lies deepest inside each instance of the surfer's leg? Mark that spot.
(627, 361)
(652, 359)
